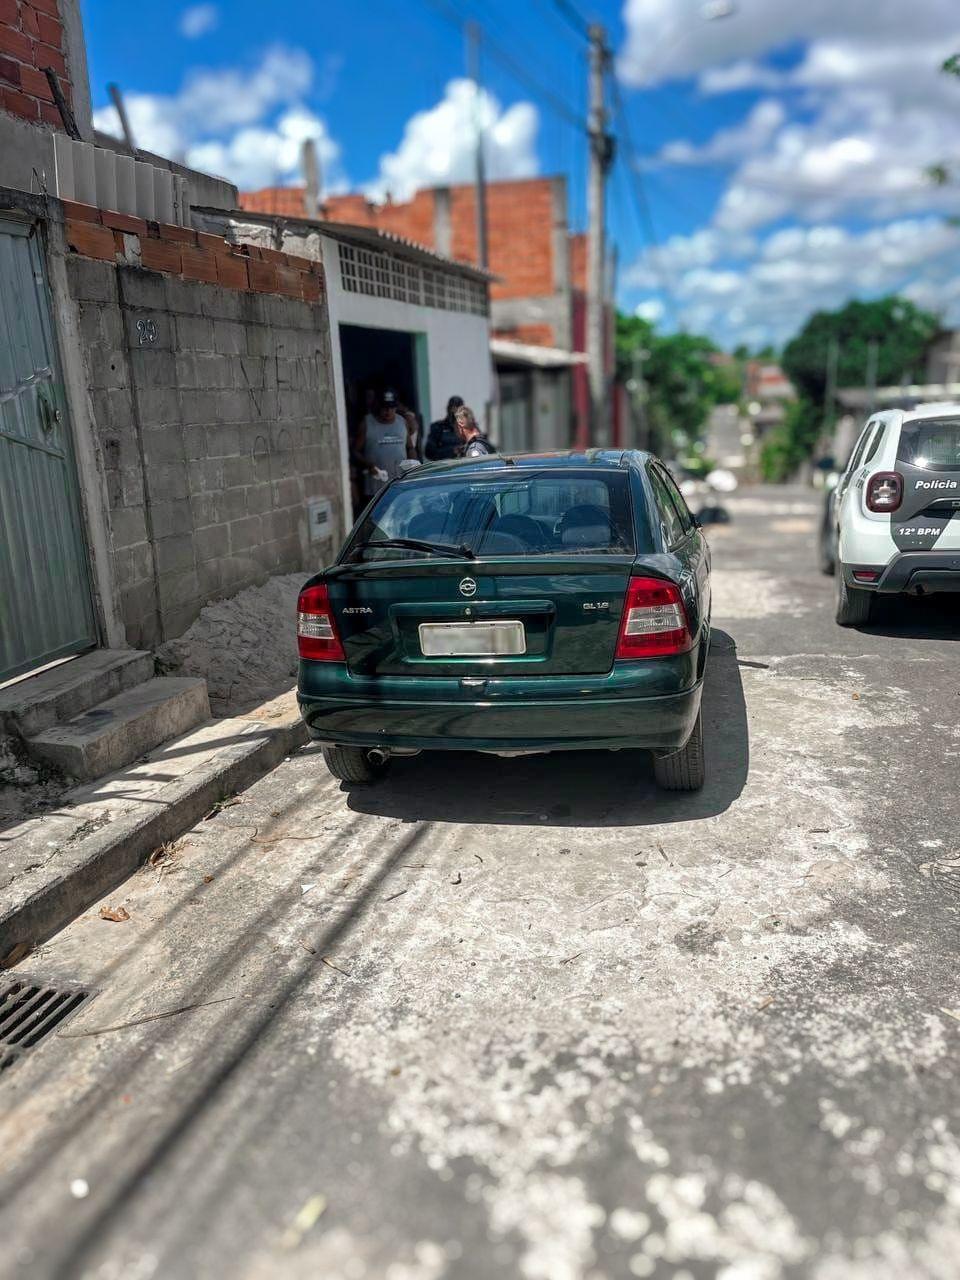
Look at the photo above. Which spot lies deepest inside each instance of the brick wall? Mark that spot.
(31, 38)
(213, 412)
(578, 261)
(521, 221)
(413, 220)
(520, 227)
(160, 246)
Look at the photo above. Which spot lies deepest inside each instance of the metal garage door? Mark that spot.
(46, 610)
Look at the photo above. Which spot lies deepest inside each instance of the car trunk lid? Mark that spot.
(550, 615)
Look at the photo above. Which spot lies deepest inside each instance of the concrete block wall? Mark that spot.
(215, 421)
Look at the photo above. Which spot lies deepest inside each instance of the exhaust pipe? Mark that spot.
(377, 756)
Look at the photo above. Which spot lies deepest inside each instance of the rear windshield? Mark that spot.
(933, 443)
(520, 513)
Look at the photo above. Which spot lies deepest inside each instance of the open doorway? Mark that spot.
(375, 360)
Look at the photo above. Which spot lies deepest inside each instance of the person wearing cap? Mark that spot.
(384, 439)
(443, 439)
(473, 443)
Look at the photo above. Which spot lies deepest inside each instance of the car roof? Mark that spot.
(938, 409)
(554, 459)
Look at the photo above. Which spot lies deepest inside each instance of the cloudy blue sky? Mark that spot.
(782, 146)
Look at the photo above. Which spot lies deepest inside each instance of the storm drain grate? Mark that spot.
(29, 1011)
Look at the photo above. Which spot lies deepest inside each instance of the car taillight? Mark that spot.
(654, 620)
(884, 491)
(317, 637)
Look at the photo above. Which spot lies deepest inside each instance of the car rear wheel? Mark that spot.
(853, 606)
(828, 563)
(353, 764)
(683, 770)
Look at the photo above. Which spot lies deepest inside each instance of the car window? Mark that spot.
(523, 512)
(931, 443)
(858, 451)
(679, 502)
(875, 443)
(671, 526)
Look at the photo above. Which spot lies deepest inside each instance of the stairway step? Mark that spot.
(121, 729)
(30, 706)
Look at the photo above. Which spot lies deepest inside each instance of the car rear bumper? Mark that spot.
(926, 572)
(603, 713)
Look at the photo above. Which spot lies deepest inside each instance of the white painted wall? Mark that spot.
(458, 348)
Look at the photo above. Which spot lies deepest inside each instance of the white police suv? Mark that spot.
(897, 510)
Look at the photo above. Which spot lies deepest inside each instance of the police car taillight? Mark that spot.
(654, 622)
(317, 638)
(884, 491)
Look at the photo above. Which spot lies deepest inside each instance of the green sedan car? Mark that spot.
(513, 605)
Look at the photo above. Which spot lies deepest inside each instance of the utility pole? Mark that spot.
(873, 361)
(117, 98)
(310, 164)
(830, 396)
(480, 180)
(601, 158)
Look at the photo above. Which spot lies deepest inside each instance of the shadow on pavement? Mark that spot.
(915, 618)
(574, 788)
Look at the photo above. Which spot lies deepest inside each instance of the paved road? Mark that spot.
(531, 1018)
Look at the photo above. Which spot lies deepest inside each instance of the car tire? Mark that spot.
(353, 764)
(683, 770)
(853, 606)
(828, 562)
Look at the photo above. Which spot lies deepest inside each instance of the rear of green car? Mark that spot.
(507, 606)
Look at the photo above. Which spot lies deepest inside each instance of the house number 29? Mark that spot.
(147, 332)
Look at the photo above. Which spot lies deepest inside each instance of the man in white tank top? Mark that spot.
(384, 440)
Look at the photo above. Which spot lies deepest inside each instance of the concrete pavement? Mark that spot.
(532, 1017)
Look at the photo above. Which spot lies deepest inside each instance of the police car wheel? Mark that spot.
(853, 606)
(683, 770)
(353, 764)
(828, 563)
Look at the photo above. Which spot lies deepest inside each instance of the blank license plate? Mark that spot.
(471, 639)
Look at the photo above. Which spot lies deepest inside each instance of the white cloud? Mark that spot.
(864, 154)
(671, 38)
(245, 125)
(681, 254)
(651, 310)
(767, 296)
(198, 20)
(864, 111)
(261, 155)
(742, 74)
(732, 143)
(437, 146)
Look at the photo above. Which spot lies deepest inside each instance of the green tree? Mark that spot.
(791, 443)
(682, 381)
(941, 175)
(890, 331)
(900, 330)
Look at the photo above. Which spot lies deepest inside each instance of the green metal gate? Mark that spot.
(46, 610)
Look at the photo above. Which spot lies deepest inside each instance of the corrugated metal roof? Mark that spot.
(368, 237)
(541, 357)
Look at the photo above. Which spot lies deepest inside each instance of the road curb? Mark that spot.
(104, 859)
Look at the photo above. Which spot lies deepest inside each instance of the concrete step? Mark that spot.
(123, 728)
(32, 705)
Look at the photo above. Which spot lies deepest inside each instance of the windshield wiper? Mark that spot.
(415, 544)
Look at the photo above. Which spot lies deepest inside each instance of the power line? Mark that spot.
(573, 16)
(642, 202)
(511, 65)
